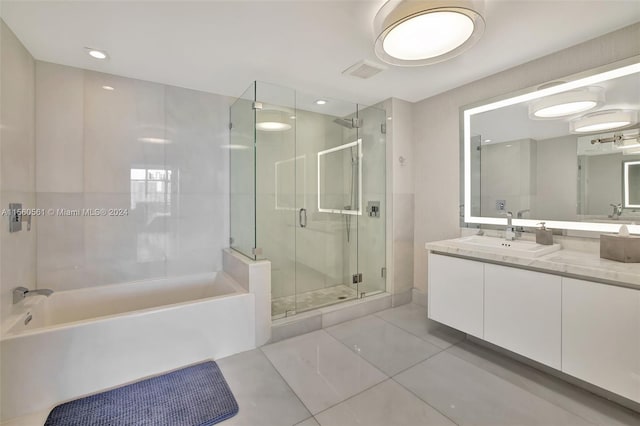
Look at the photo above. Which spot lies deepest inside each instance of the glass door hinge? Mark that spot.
(356, 278)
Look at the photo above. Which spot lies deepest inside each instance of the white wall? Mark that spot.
(436, 131)
(17, 164)
(88, 141)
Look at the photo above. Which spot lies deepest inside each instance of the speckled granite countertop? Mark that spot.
(579, 264)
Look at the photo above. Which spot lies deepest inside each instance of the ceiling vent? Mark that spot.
(364, 69)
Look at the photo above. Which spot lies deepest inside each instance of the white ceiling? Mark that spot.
(221, 47)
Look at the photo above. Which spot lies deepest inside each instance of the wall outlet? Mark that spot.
(501, 205)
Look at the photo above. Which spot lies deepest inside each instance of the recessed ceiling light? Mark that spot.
(108, 88)
(321, 102)
(421, 32)
(567, 103)
(603, 120)
(487, 140)
(272, 126)
(97, 54)
(292, 117)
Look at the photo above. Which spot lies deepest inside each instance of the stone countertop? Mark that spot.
(579, 264)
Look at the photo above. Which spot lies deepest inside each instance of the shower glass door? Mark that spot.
(371, 226)
(320, 198)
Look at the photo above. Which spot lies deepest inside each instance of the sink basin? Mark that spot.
(521, 248)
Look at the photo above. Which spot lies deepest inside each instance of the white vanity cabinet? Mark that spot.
(601, 335)
(456, 292)
(522, 312)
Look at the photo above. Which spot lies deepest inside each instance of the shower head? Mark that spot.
(349, 123)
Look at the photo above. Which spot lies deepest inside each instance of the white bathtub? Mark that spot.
(82, 341)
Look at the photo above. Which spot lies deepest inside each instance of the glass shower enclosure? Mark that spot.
(307, 189)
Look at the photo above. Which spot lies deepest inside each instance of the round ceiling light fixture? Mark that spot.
(423, 32)
(603, 120)
(272, 126)
(272, 118)
(567, 103)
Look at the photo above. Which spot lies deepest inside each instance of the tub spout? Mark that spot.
(20, 293)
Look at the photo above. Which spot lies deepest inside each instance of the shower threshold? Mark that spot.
(282, 307)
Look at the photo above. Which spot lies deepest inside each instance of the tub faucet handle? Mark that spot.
(20, 293)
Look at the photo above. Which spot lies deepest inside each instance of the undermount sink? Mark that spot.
(495, 245)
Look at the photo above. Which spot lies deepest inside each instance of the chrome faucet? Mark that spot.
(617, 211)
(510, 231)
(520, 229)
(20, 293)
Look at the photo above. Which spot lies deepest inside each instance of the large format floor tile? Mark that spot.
(470, 395)
(263, 396)
(384, 345)
(309, 422)
(413, 318)
(321, 370)
(386, 404)
(557, 391)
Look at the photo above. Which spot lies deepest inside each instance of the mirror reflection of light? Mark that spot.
(234, 146)
(154, 140)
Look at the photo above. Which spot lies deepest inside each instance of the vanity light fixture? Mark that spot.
(422, 32)
(603, 120)
(96, 54)
(567, 103)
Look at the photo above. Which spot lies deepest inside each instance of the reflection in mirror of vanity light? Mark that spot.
(603, 120)
(567, 103)
(548, 144)
(631, 178)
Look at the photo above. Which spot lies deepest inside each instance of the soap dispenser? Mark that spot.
(543, 235)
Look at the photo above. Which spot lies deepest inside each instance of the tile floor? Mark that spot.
(397, 368)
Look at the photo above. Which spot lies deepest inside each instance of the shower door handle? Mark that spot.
(302, 217)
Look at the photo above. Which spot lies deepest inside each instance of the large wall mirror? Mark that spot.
(566, 152)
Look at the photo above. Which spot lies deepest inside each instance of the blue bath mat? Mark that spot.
(193, 396)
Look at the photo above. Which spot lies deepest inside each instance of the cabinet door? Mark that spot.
(522, 312)
(456, 292)
(601, 335)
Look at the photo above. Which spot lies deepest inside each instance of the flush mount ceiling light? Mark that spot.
(422, 32)
(96, 54)
(272, 126)
(272, 118)
(603, 120)
(567, 103)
